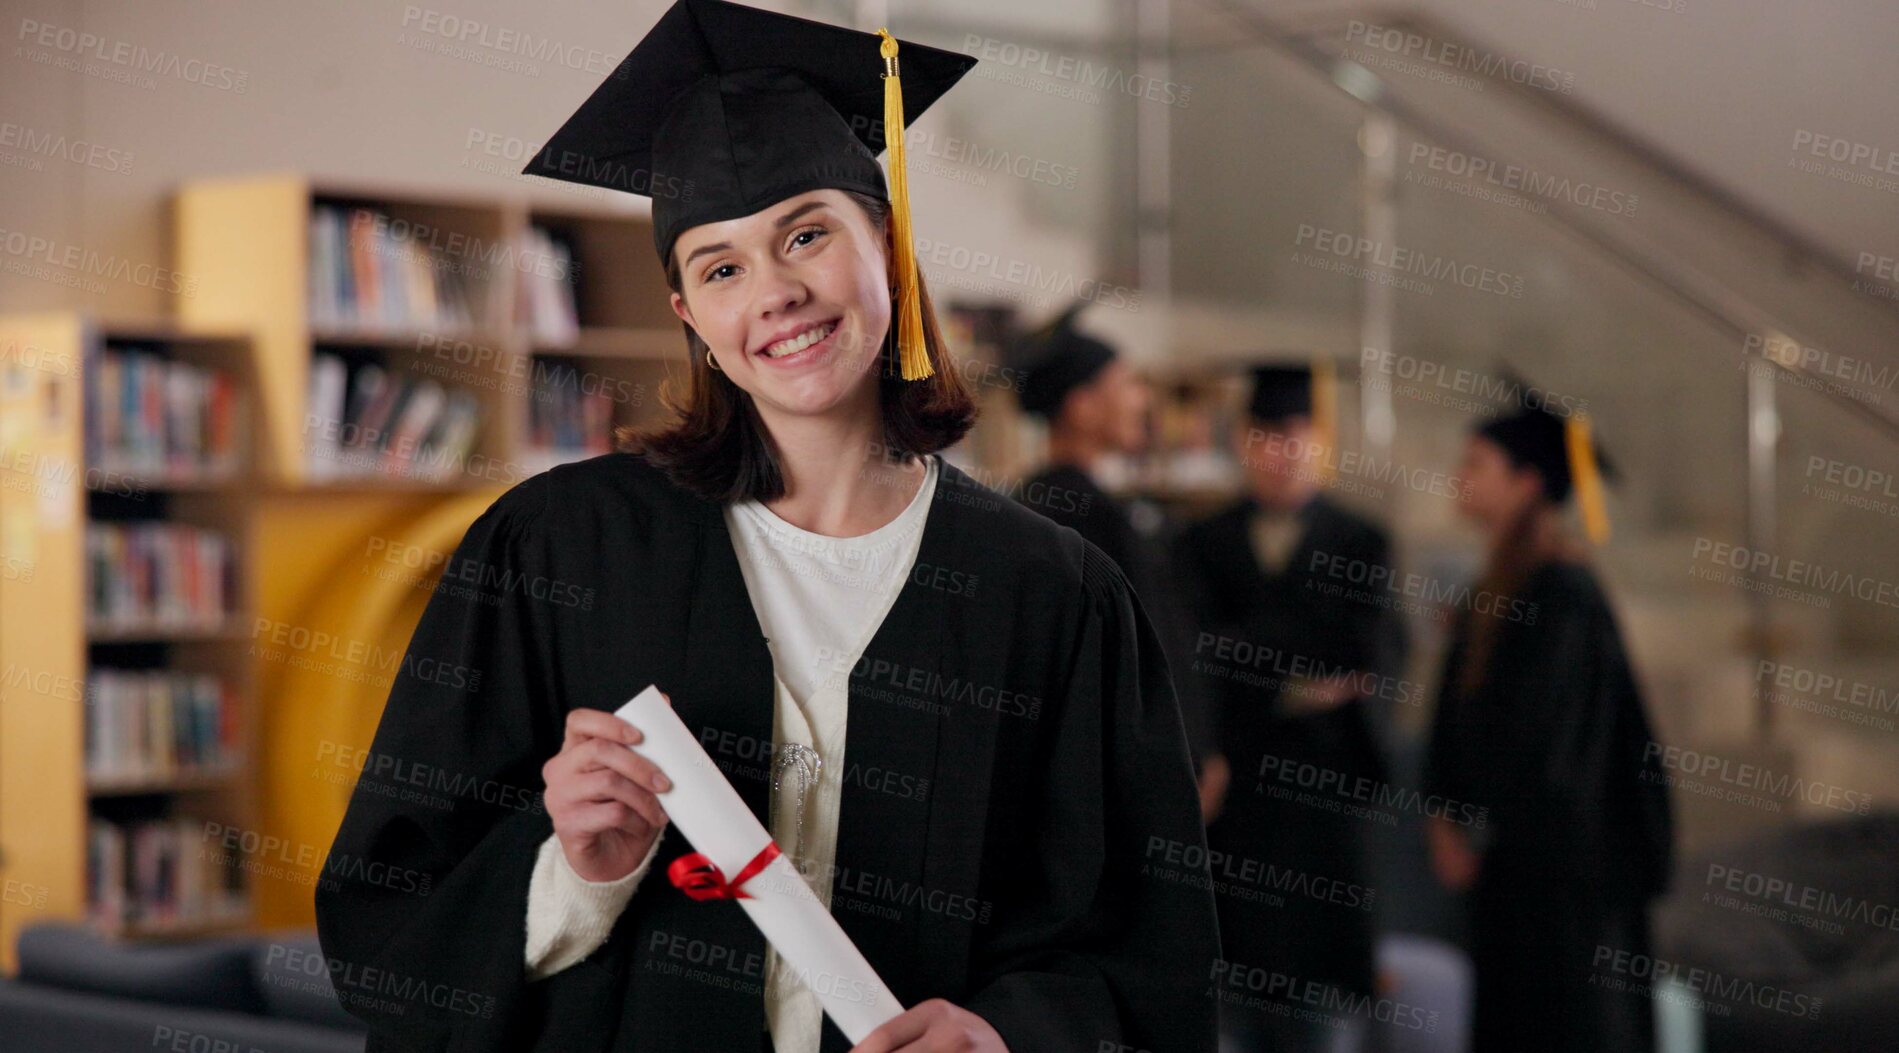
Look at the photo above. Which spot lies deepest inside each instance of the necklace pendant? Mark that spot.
(803, 761)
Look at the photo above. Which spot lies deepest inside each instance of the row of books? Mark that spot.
(152, 724)
(149, 416)
(545, 306)
(367, 420)
(162, 872)
(369, 271)
(158, 575)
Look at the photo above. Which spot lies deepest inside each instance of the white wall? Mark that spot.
(360, 90)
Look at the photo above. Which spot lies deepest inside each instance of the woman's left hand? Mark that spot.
(934, 1026)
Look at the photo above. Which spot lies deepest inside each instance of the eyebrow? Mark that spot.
(783, 222)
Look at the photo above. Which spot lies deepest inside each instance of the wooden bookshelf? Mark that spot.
(249, 242)
(54, 648)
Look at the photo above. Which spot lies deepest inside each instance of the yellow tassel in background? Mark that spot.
(1325, 415)
(913, 356)
(1587, 478)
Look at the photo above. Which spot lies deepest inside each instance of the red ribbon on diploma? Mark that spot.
(700, 878)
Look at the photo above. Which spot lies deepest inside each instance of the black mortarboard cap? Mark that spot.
(724, 109)
(1058, 359)
(1560, 447)
(1280, 392)
(1306, 390)
(1534, 438)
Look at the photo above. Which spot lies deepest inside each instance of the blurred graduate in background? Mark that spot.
(1294, 663)
(1096, 407)
(1540, 723)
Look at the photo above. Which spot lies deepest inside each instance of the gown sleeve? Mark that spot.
(1088, 951)
(452, 789)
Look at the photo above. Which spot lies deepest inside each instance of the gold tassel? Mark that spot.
(1325, 415)
(1586, 477)
(913, 356)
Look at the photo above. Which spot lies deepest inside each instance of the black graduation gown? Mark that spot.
(1071, 497)
(1257, 631)
(1554, 746)
(1015, 749)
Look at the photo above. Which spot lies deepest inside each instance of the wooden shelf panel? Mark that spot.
(405, 339)
(176, 782)
(645, 344)
(233, 627)
(108, 478)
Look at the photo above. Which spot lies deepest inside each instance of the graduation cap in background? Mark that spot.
(1309, 390)
(1562, 449)
(723, 110)
(1057, 359)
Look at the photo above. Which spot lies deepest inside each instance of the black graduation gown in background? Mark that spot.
(1015, 754)
(1297, 617)
(1554, 745)
(1071, 497)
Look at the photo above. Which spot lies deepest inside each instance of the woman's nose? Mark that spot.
(779, 291)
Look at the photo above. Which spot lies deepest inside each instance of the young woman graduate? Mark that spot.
(952, 713)
(1540, 722)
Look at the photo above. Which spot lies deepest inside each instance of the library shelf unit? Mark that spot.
(550, 320)
(126, 695)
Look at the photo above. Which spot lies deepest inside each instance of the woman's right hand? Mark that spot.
(600, 796)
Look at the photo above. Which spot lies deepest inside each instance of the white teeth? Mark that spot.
(800, 342)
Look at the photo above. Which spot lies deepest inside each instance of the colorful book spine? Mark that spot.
(162, 872)
(157, 724)
(368, 273)
(154, 418)
(371, 421)
(158, 575)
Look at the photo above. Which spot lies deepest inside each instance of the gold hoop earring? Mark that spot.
(711, 362)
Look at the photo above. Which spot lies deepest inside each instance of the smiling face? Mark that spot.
(793, 300)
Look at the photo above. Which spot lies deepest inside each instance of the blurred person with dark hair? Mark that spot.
(1540, 730)
(1294, 662)
(1096, 406)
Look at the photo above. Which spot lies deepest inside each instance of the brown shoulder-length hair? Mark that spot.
(714, 444)
(1532, 539)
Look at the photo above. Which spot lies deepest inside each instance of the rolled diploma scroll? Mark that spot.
(714, 817)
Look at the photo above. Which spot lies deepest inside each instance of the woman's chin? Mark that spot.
(813, 396)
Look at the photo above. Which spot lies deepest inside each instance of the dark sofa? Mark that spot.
(1796, 935)
(80, 992)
